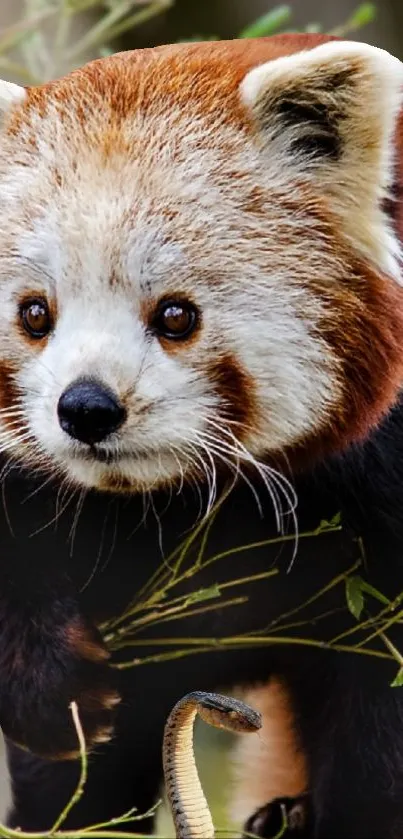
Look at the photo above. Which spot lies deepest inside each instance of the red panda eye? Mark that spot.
(175, 319)
(35, 317)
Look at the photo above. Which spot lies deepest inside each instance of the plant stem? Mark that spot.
(237, 642)
(111, 26)
(83, 772)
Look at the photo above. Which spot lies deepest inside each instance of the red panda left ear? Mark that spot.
(329, 115)
(10, 94)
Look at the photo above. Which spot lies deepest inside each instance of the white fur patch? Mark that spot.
(10, 94)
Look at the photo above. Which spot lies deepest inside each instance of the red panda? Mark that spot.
(200, 274)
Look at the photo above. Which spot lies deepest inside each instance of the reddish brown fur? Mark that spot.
(189, 75)
(236, 391)
(276, 765)
(99, 699)
(9, 395)
(370, 305)
(84, 646)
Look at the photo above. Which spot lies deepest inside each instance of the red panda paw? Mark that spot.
(289, 817)
(40, 678)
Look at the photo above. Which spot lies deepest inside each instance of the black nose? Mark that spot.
(89, 412)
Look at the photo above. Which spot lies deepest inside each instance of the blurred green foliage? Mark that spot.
(277, 19)
(44, 42)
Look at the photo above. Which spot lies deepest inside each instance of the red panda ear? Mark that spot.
(329, 115)
(10, 94)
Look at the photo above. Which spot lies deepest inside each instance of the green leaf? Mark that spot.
(375, 593)
(398, 680)
(333, 524)
(365, 14)
(204, 594)
(354, 595)
(267, 24)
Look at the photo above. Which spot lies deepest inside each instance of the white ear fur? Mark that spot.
(329, 115)
(10, 94)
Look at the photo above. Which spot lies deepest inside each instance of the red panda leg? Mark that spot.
(272, 764)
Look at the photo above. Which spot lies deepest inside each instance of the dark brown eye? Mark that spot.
(36, 317)
(175, 319)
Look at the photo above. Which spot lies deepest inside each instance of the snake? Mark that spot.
(189, 808)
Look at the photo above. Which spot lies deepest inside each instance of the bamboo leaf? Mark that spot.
(362, 16)
(204, 594)
(398, 680)
(374, 593)
(354, 595)
(268, 23)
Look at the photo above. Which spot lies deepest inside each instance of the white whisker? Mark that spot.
(218, 442)
(73, 529)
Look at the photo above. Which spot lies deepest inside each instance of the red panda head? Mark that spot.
(197, 264)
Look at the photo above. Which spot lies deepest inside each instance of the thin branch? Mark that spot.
(77, 794)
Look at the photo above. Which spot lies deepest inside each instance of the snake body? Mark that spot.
(190, 811)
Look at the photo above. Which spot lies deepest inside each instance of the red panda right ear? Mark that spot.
(10, 94)
(318, 102)
(328, 115)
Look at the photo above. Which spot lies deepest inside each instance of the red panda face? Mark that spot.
(195, 264)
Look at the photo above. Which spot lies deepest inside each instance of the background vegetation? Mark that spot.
(41, 39)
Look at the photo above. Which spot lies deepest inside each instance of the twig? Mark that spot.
(255, 641)
(77, 794)
(111, 26)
